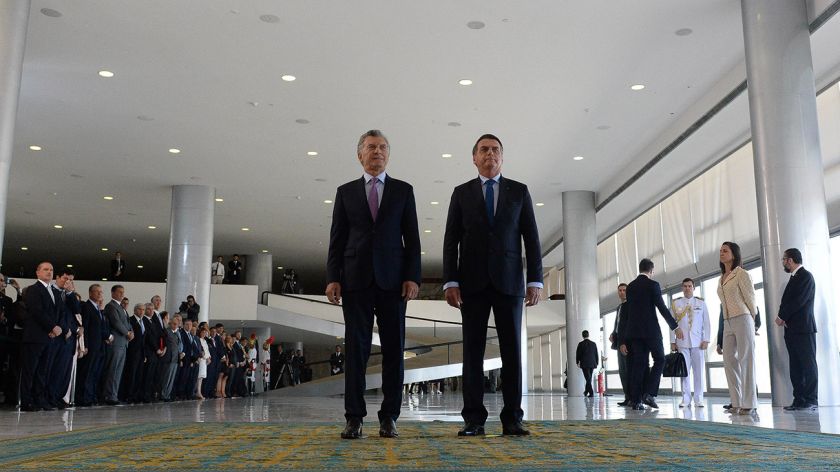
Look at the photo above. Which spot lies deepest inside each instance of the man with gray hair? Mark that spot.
(122, 334)
(374, 263)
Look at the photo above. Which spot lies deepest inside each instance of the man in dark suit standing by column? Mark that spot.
(374, 263)
(587, 359)
(796, 314)
(40, 329)
(642, 337)
(620, 318)
(96, 334)
(489, 219)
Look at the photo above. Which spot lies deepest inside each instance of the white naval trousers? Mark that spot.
(695, 360)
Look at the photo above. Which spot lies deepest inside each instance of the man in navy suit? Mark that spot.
(68, 308)
(40, 328)
(97, 333)
(489, 219)
(642, 338)
(374, 262)
(796, 314)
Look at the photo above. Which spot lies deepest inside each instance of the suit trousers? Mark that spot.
(133, 375)
(114, 364)
(35, 368)
(87, 377)
(61, 369)
(587, 378)
(623, 371)
(739, 360)
(167, 379)
(644, 379)
(151, 377)
(360, 307)
(475, 313)
(695, 360)
(802, 350)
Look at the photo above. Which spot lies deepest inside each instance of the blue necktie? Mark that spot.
(488, 200)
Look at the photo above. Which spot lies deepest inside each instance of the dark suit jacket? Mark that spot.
(67, 314)
(97, 330)
(363, 252)
(587, 354)
(476, 255)
(117, 266)
(42, 314)
(619, 325)
(135, 346)
(797, 307)
(234, 268)
(186, 346)
(154, 338)
(644, 297)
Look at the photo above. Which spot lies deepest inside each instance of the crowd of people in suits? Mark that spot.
(62, 350)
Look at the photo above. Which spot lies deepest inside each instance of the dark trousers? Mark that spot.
(151, 376)
(35, 368)
(587, 377)
(11, 385)
(623, 374)
(62, 366)
(87, 376)
(644, 380)
(802, 350)
(360, 307)
(475, 313)
(133, 375)
(179, 387)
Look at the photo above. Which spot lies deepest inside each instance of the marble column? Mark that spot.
(788, 177)
(14, 20)
(259, 271)
(190, 247)
(580, 258)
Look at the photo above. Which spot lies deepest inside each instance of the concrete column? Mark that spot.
(788, 176)
(579, 253)
(14, 19)
(258, 271)
(190, 247)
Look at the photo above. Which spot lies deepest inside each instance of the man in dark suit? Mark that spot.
(153, 344)
(40, 328)
(117, 267)
(182, 377)
(796, 314)
(621, 317)
(115, 356)
(642, 338)
(68, 308)
(337, 361)
(235, 270)
(374, 262)
(170, 357)
(97, 333)
(586, 357)
(135, 357)
(14, 330)
(489, 219)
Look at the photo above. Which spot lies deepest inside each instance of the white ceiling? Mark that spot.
(204, 77)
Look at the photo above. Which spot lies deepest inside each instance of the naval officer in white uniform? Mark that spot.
(693, 318)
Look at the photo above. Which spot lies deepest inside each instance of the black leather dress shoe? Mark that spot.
(472, 429)
(649, 401)
(638, 407)
(624, 403)
(112, 402)
(30, 408)
(727, 406)
(388, 429)
(808, 407)
(515, 429)
(792, 407)
(353, 429)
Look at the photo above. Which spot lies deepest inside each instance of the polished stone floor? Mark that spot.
(446, 407)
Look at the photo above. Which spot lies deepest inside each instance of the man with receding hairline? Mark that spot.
(40, 328)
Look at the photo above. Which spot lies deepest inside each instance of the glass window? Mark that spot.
(756, 275)
(717, 379)
(762, 355)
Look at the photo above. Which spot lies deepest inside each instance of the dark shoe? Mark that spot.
(388, 429)
(83, 404)
(808, 407)
(353, 429)
(30, 408)
(112, 402)
(471, 429)
(515, 429)
(638, 407)
(792, 407)
(649, 401)
(47, 407)
(727, 407)
(624, 403)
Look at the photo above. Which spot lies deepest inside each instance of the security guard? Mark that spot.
(693, 318)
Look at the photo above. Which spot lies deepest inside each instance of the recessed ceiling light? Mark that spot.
(174, 151)
(434, 203)
(220, 199)
(288, 78)
(246, 229)
(637, 87)
(106, 74)
(104, 249)
(139, 267)
(578, 158)
(453, 124)
(107, 197)
(475, 25)
(328, 201)
(683, 32)
(422, 253)
(279, 267)
(50, 12)
(264, 251)
(151, 227)
(465, 82)
(35, 148)
(58, 226)
(539, 204)
(427, 231)
(446, 155)
(104, 279)
(302, 121)
(24, 248)
(269, 18)
(69, 265)
(312, 153)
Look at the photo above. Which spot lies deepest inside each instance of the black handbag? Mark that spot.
(675, 366)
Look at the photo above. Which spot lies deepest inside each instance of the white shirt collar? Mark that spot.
(485, 179)
(381, 177)
(45, 284)
(795, 271)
